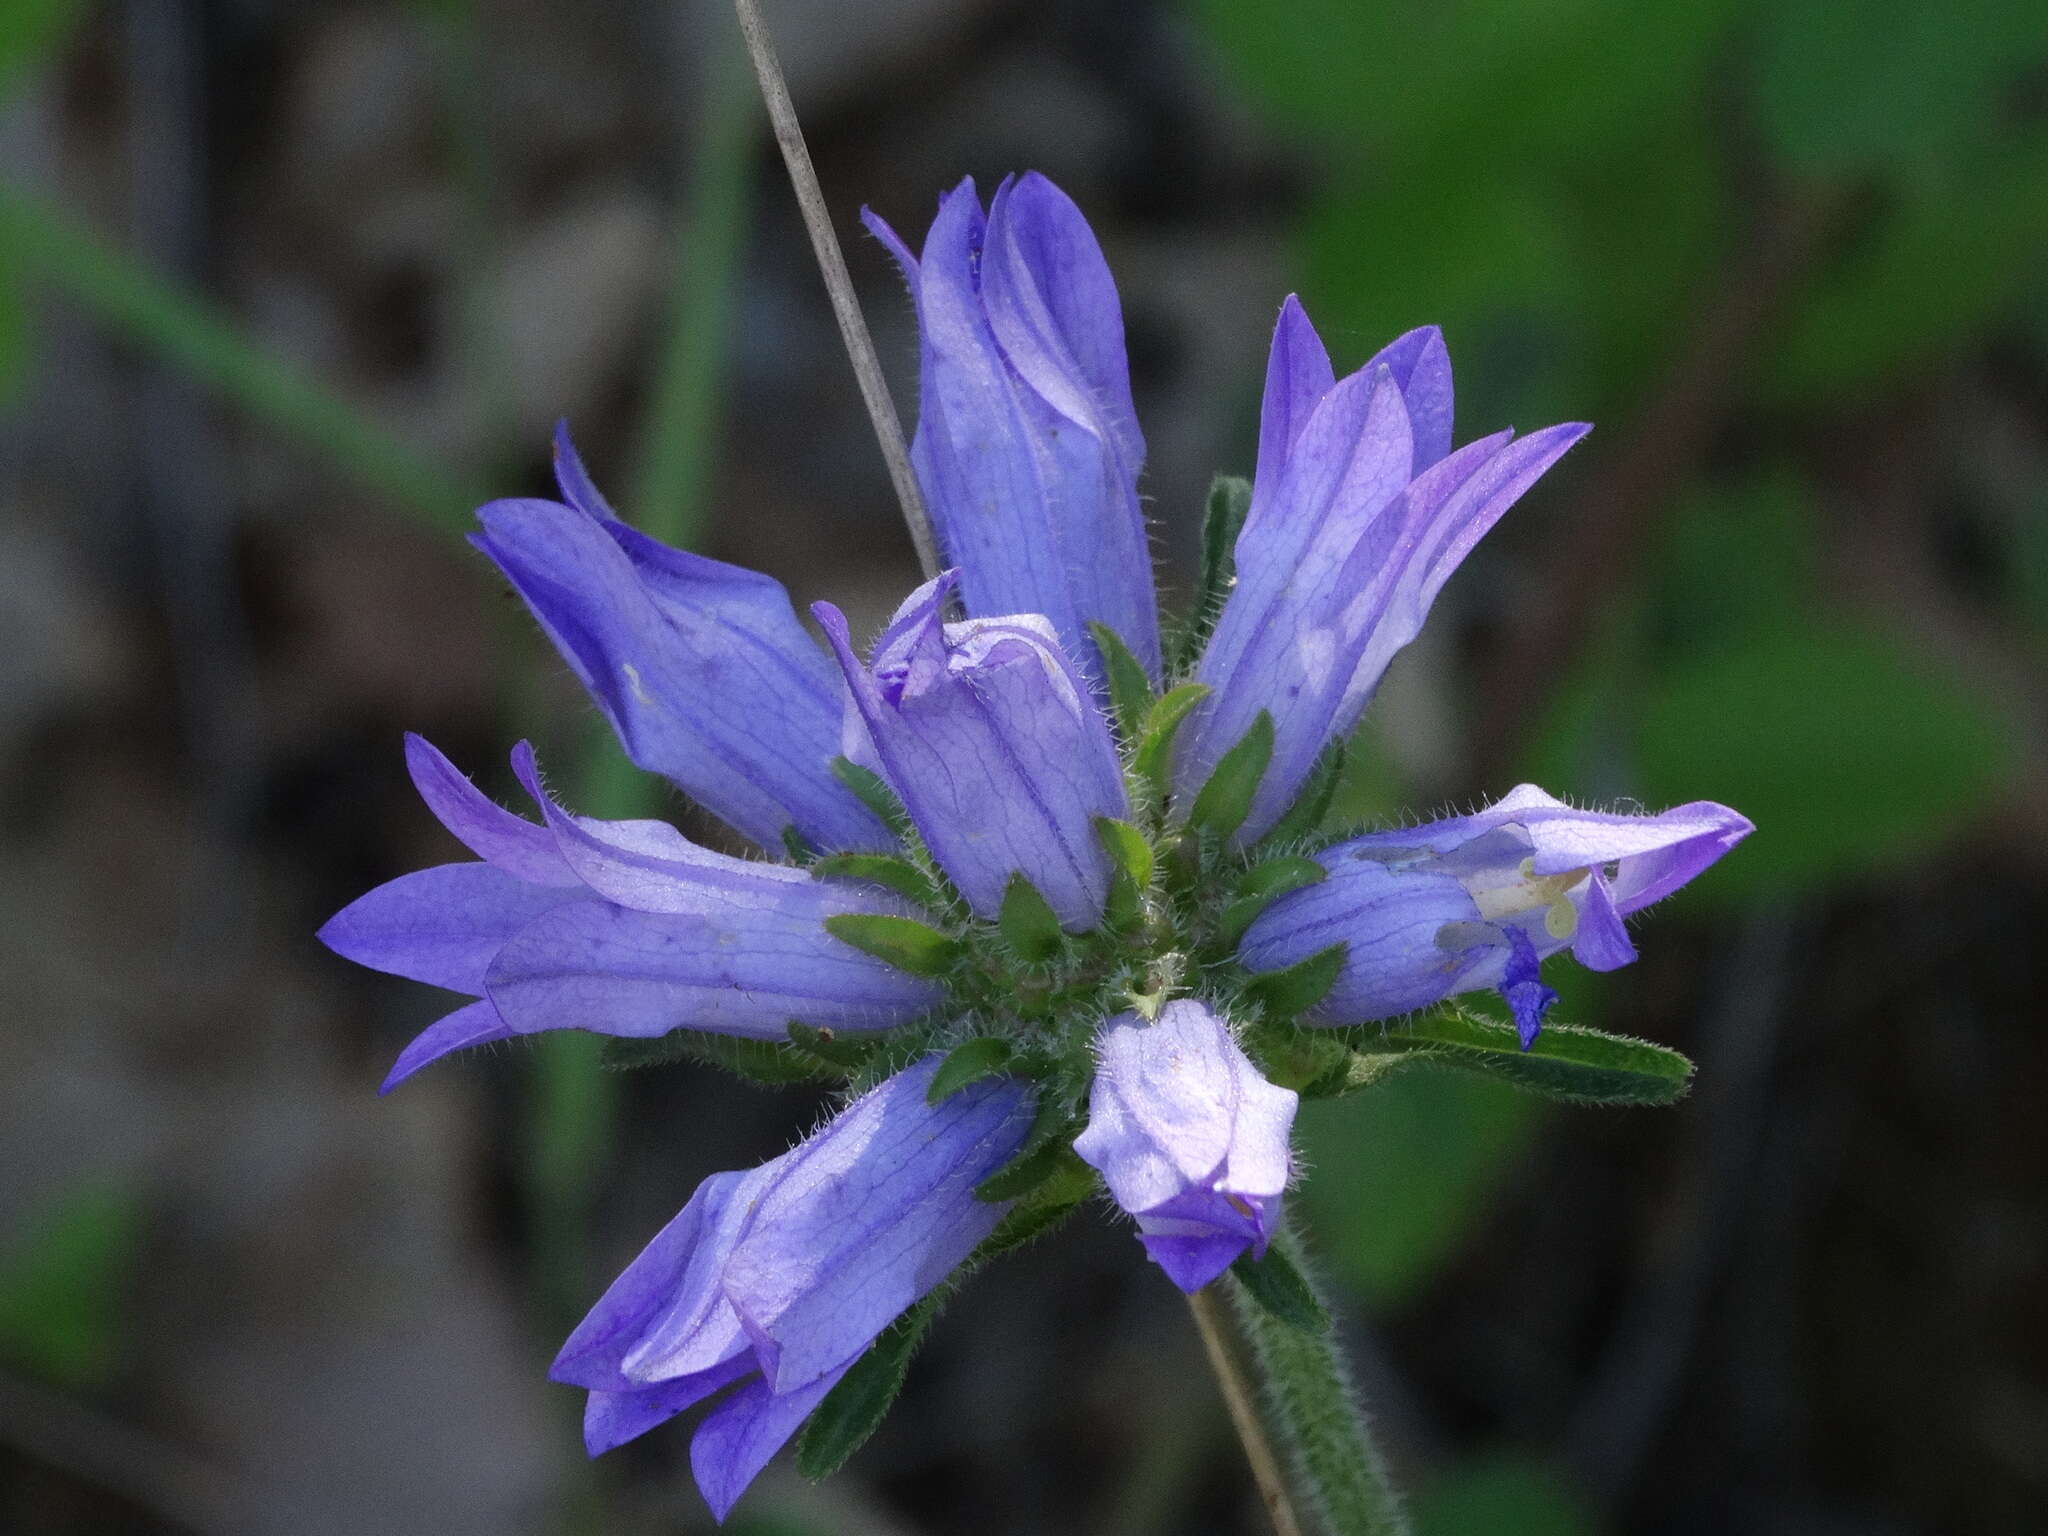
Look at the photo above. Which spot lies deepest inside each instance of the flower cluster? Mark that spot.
(1044, 884)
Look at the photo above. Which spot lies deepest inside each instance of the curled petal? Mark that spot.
(1274, 641)
(1191, 1140)
(648, 865)
(1653, 855)
(578, 489)
(611, 1418)
(475, 1023)
(1601, 942)
(665, 1316)
(1421, 366)
(491, 832)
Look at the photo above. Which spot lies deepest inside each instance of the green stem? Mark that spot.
(194, 335)
(1336, 1482)
(679, 438)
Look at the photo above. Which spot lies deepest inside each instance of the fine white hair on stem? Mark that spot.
(853, 329)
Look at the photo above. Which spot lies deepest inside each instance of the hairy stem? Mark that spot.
(853, 329)
(1336, 1477)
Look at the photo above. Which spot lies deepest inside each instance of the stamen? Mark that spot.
(1562, 920)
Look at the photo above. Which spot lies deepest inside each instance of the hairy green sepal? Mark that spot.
(852, 1052)
(1568, 1061)
(903, 942)
(1298, 988)
(1313, 803)
(1130, 857)
(1162, 723)
(852, 1410)
(769, 1062)
(1028, 924)
(883, 869)
(1130, 690)
(1225, 801)
(1230, 498)
(872, 791)
(1275, 1284)
(970, 1062)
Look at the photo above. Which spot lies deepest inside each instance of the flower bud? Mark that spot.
(1191, 1140)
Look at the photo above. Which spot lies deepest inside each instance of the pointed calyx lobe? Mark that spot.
(1479, 901)
(618, 927)
(1027, 446)
(1190, 1139)
(997, 748)
(778, 1279)
(1359, 514)
(668, 643)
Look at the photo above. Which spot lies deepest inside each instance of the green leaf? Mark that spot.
(1028, 923)
(1226, 799)
(1155, 747)
(1263, 885)
(32, 32)
(758, 1061)
(1298, 988)
(850, 1051)
(1439, 1145)
(1587, 1066)
(1945, 259)
(854, 1409)
(1313, 803)
(1882, 85)
(969, 1062)
(883, 869)
(901, 941)
(63, 1283)
(1130, 690)
(1497, 1492)
(798, 847)
(873, 792)
(1275, 1284)
(1800, 720)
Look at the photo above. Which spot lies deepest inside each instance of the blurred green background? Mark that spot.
(285, 289)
